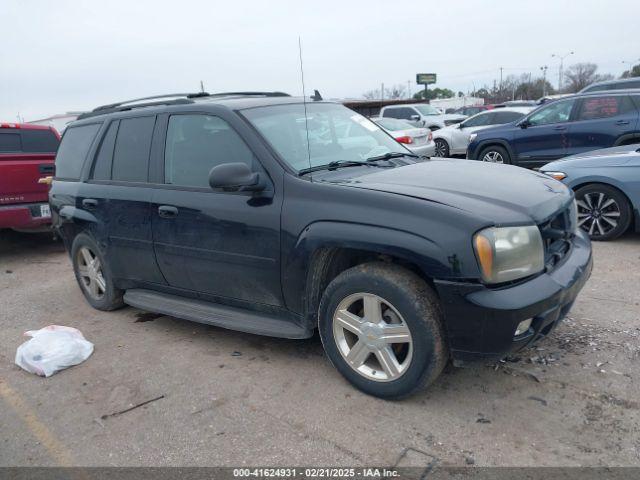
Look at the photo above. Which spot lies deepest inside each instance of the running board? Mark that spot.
(215, 314)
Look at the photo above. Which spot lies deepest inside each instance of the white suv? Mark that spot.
(421, 115)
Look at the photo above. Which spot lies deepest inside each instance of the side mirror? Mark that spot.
(235, 177)
(415, 118)
(524, 123)
(461, 125)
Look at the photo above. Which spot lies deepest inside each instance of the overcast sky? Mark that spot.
(64, 55)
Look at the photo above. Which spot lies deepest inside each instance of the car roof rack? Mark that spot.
(178, 99)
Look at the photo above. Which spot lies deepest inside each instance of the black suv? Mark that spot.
(274, 215)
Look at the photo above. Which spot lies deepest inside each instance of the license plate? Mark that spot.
(420, 140)
(45, 211)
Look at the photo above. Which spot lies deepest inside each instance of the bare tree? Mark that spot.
(580, 75)
(372, 95)
(395, 92)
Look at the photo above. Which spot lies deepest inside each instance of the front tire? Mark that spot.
(495, 154)
(93, 274)
(603, 211)
(442, 148)
(381, 327)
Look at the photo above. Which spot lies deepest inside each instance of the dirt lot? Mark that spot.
(227, 398)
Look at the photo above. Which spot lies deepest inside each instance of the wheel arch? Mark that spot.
(627, 139)
(635, 223)
(326, 249)
(494, 142)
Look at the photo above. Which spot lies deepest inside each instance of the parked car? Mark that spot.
(236, 211)
(27, 155)
(567, 126)
(607, 186)
(421, 115)
(619, 84)
(418, 140)
(454, 139)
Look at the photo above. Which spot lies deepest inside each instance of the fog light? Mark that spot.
(523, 326)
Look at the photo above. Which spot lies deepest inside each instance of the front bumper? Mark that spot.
(481, 321)
(27, 216)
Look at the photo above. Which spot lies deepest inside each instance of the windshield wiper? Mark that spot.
(343, 163)
(390, 155)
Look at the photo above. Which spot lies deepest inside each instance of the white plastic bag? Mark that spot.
(52, 349)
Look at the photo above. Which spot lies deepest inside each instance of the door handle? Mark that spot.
(89, 203)
(167, 211)
(622, 122)
(560, 128)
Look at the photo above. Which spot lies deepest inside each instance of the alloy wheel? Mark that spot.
(441, 149)
(598, 213)
(90, 272)
(372, 337)
(493, 157)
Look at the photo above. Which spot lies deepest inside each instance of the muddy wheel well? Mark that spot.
(327, 263)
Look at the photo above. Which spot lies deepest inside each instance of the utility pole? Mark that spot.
(544, 80)
(408, 88)
(382, 91)
(501, 68)
(201, 86)
(561, 57)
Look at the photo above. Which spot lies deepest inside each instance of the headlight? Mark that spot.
(472, 137)
(509, 253)
(557, 175)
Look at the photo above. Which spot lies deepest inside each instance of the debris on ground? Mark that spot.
(51, 349)
(142, 404)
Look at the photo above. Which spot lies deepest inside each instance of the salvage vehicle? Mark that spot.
(418, 140)
(27, 155)
(238, 210)
(607, 186)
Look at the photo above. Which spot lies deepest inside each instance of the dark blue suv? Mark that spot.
(568, 126)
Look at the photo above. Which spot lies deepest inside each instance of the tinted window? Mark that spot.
(131, 152)
(102, 167)
(604, 107)
(39, 141)
(501, 118)
(197, 143)
(73, 150)
(403, 113)
(556, 112)
(479, 120)
(10, 142)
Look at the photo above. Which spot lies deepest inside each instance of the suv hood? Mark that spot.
(500, 194)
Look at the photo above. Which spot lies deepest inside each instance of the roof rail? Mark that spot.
(178, 99)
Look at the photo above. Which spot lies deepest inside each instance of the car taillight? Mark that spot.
(430, 137)
(404, 139)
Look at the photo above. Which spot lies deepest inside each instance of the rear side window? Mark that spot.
(10, 142)
(39, 141)
(197, 143)
(73, 150)
(102, 167)
(132, 148)
(604, 107)
(506, 117)
(402, 113)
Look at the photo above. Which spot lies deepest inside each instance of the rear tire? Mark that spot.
(603, 211)
(442, 148)
(93, 275)
(400, 353)
(495, 154)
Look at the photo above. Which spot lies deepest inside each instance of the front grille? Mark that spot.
(557, 234)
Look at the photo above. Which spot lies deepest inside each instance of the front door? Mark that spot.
(223, 244)
(545, 136)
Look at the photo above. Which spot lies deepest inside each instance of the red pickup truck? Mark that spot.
(27, 154)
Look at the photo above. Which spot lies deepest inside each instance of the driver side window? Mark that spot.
(478, 121)
(557, 112)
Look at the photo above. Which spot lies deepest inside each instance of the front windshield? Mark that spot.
(426, 109)
(335, 134)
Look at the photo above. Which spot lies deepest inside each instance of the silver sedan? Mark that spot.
(418, 140)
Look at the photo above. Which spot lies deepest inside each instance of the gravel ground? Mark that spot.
(226, 398)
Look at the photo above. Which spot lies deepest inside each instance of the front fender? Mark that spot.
(428, 256)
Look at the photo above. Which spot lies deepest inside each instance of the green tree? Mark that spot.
(434, 93)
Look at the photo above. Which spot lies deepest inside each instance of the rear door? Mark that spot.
(545, 136)
(220, 243)
(118, 194)
(600, 121)
(26, 155)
